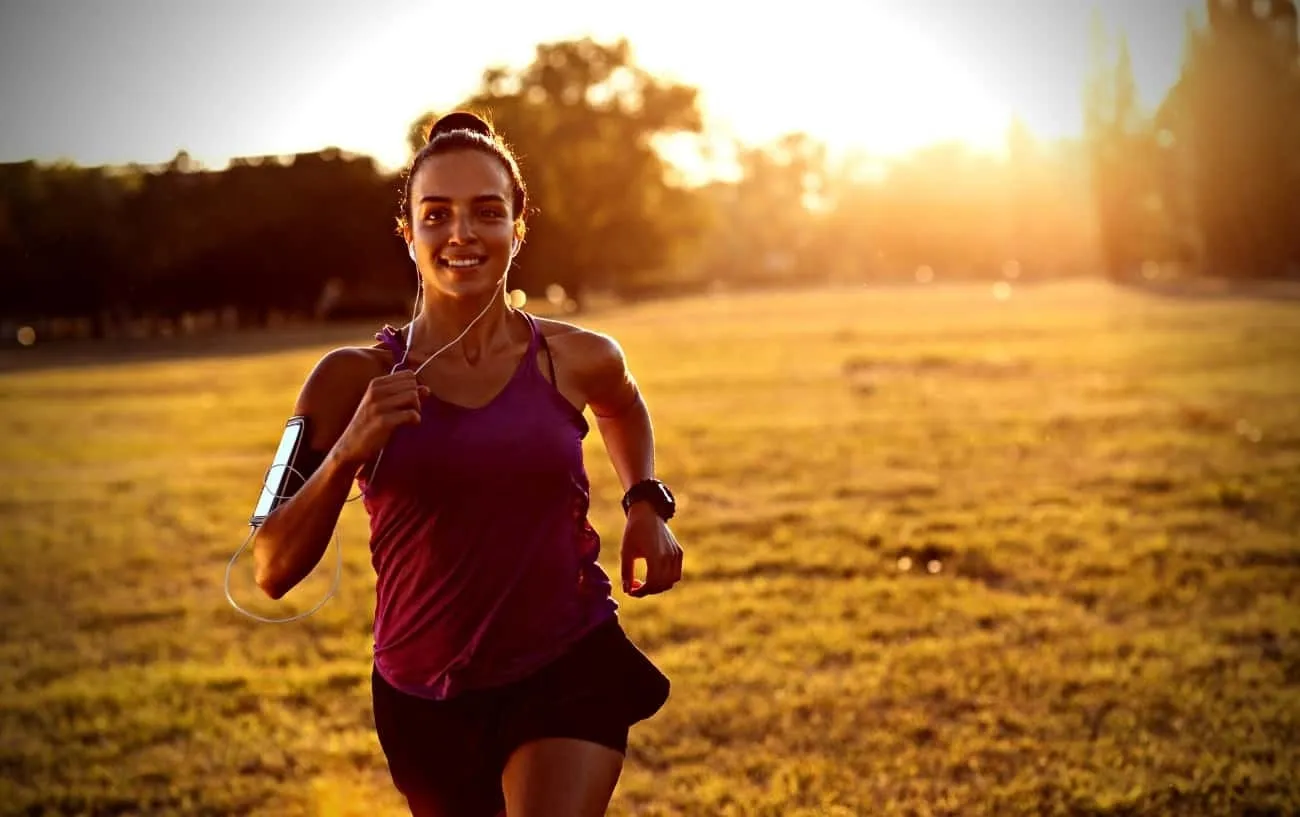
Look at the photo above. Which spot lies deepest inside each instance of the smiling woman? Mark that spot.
(502, 677)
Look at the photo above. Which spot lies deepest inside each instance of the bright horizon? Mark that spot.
(78, 82)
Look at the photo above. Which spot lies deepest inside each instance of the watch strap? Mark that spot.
(654, 492)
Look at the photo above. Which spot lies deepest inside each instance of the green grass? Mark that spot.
(1106, 484)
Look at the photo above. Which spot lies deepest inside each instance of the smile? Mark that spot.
(462, 263)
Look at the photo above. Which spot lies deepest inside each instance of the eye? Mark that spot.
(492, 212)
(435, 215)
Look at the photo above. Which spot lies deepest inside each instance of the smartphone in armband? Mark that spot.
(281, 474)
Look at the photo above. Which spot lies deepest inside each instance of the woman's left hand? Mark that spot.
(647, 537)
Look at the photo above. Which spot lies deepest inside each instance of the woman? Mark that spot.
(502, 678)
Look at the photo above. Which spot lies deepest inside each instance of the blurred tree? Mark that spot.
(18, 273)
(950, 210)
(1121, 146)
(1052, 219)
(109, 247)
(57, 239)
(1232, 126)
(771, 222)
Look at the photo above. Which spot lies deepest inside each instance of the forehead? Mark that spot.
(461, 174)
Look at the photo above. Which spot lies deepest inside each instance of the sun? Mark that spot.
(877, 84)
(917, 96)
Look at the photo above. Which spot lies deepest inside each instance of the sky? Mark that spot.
(118, 81)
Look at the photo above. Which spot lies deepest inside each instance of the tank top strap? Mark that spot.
(537, 342)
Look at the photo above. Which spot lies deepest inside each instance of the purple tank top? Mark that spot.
(486, 566)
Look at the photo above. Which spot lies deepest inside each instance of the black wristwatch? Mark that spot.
(654, 492)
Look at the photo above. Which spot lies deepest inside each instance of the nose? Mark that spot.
(462, 228)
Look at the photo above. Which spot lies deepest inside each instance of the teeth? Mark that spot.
(462, 262)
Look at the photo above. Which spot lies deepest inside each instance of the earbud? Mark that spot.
(410, 250)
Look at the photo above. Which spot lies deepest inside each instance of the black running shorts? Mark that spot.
(447, 756)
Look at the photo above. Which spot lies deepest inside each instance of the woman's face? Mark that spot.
(462, 230)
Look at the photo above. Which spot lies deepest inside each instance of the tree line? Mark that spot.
(1210, 181)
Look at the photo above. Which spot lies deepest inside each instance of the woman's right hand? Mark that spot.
(390, 401)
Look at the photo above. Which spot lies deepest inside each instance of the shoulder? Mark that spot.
(596, 363)
(334, 388)
(346, 366)
(583, 350)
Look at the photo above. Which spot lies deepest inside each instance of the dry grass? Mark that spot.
(1105, 484)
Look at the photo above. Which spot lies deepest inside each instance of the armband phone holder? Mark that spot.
(275, 487)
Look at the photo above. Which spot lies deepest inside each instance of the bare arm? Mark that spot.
(294, 536)
(350, 414)
(625, 427)
(621, 414)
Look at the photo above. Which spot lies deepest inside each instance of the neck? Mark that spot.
(442, 319)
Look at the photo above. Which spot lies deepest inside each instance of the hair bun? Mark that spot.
(460, 120)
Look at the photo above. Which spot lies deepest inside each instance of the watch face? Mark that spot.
(654, 492)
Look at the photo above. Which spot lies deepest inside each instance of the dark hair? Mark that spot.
(462, 130)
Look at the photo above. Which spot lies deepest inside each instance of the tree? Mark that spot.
(1232, 124)
(1121, 147)
(768, 222)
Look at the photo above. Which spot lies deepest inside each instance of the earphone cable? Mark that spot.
(252, 534)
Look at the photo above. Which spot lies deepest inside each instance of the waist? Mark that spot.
(458, 608)
(441, 662)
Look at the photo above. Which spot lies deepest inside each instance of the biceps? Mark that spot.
(328, 400)
(326, 418)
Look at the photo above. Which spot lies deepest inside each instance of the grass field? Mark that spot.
(946, 554)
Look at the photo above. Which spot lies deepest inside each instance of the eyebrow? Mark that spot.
(489, 197)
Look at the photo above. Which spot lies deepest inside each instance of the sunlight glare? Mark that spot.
(877, 79)
(876, 84)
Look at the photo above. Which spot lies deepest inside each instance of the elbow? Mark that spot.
(269, 577)
(270, 583)
(273, 588)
